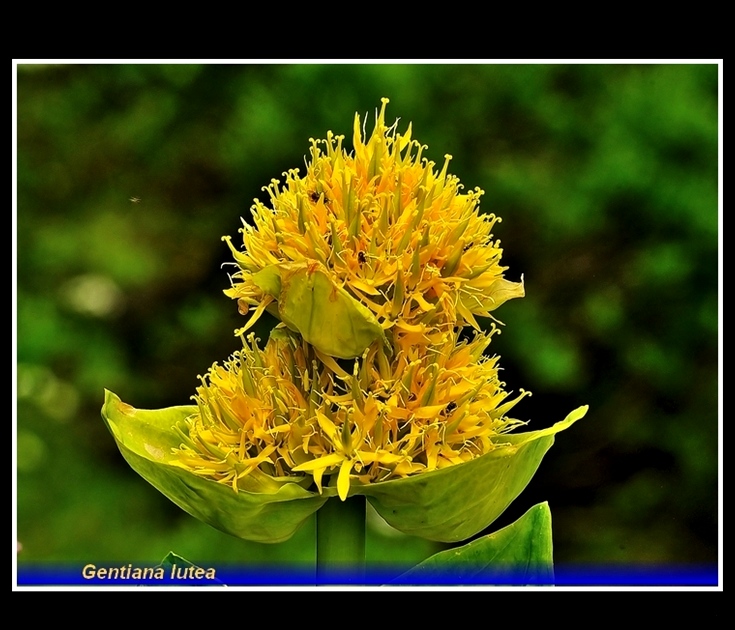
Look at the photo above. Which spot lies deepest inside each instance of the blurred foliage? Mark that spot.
(605, 176)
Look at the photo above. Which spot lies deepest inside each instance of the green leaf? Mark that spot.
(172, 559)
(521, 553)
(457, 502)
(270, 511)
(448, 505)
(326, 315)
(174, 562)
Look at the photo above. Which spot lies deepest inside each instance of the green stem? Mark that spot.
(340, 541)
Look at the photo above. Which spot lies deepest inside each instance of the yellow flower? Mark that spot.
(281, 412)
(399, 236)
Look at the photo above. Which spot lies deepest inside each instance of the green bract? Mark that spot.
(271, 512)
(309, 302)
(457, 502)
(448, 505)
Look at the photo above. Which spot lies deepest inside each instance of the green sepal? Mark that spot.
(454, 503)
(270, 511)
(521, 553)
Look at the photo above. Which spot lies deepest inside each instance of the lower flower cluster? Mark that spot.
(281, 411)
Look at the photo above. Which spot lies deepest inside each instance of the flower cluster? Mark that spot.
(375, 381)
(399, 236)
(373, 262)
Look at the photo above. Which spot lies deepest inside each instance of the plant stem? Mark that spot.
(340, 541)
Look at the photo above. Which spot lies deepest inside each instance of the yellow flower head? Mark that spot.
(394, 232)
(280, 412)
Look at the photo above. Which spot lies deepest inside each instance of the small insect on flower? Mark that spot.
(361, 257)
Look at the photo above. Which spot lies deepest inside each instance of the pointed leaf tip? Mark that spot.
(521, 553)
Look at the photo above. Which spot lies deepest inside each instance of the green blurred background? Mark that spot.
(606, 179)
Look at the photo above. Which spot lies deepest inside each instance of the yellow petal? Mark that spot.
(343, 481)
(320, 462)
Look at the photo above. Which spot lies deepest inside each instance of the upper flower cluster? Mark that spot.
(399, 236)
